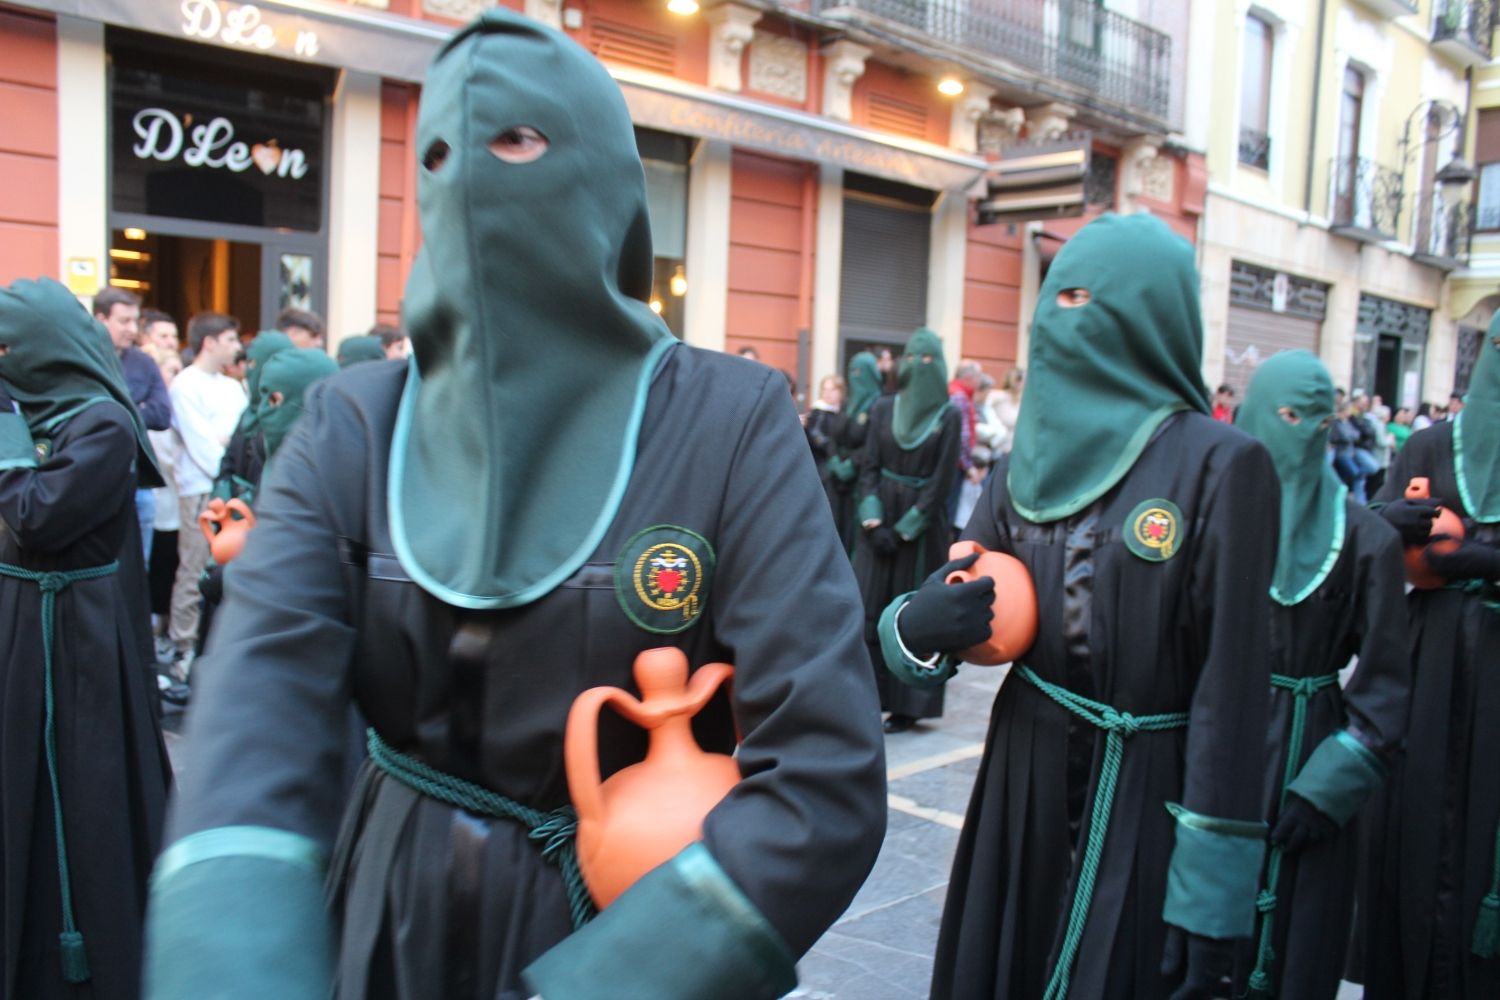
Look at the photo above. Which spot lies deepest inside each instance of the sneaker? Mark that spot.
(172, 690)
(166, 649)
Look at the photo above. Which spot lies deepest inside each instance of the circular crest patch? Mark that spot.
(1153, 530)
(662, 578)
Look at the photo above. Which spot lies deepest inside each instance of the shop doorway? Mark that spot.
(184, 275)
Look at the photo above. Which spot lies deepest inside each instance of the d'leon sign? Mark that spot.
(243, 25)
(164, 136)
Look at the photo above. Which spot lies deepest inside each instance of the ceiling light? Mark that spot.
(678, 285)
(135, 234)
(950, 85)
(683, 7)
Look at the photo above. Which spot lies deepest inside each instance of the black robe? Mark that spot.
(437, 902)
(882, 579)
(77, 510)
(242, 465)
(1185, 634)
(1356, 611)
(1430, 852)
(835, 434)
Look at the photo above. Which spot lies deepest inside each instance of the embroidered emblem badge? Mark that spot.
(1153, 530)
(662, 578)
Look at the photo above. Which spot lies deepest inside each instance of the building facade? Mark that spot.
(1340, 196)
(812, 189)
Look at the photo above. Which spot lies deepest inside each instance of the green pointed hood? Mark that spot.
(864, 384)
(353, 350)
(1476, 434)
(60, 362)
(290, 373)
(922, 393)
(1103, 376)
(1312, 498)
(265, 344)
(532, 343)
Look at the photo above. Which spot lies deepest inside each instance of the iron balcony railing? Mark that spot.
(1468, 21)
(1365, 198)
(1442, 230)
(1121, 61)
(1255, 149)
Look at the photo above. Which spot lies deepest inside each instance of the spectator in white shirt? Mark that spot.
(206, 406)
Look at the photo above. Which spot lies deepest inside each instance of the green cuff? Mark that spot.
(16, 448)
(907, 670)
(1214, 874)
(1339, 776)
(237, 913)
(683, 932)
(912, 524)
(870, 509)
(840, 468)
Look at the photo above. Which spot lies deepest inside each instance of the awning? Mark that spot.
(315, 31)
(674, 106)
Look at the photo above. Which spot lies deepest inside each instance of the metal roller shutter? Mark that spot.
(1256, 334)
(883, 285)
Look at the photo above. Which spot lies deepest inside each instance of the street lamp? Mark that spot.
(1456, 171)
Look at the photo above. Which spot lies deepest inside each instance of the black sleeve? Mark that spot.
(156, 407)
(868, 461)
(1231, 582)
(1377, 695)
(80, 486)
(269, 720)
(800, 832)
(821, 430)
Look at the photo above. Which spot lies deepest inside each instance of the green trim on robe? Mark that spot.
(685, 931)
(871, 509)
(1339, 776)
(912, 525)
(238, 913)
(1214, 874)
(906, 669)
(16, 448)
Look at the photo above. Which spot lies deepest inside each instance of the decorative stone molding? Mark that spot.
(1048, 121)
(731, 27)
(778, 66)
(998, 127)
(1139, 171)
(844, 63)
(968, 111)
(459, 10)
(549, 12)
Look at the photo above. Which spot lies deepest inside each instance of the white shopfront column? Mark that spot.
(945, 272)
(828, 258)
(706, 305)
(353, 211)
(82, 147)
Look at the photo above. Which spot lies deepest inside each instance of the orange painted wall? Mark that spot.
(770, 217)
(916, 90)
(688, 35)
(28, 147)
(992, 296)
(400, 231)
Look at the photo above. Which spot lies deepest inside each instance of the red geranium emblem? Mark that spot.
(669, 580)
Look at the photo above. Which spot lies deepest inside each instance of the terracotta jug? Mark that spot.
(1014, 627)
(225, 532)
(1418, 572)
(645, 813)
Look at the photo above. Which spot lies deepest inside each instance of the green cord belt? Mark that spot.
(554, 830)
(1302, 689)
(915, 482)
(1118, 726)
(75, 962)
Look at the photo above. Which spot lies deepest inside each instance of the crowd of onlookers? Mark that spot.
(192, 390)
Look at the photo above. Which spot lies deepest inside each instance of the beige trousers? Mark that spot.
(192, 556)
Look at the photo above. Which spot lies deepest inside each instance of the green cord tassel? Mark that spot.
(1260, 987)
(1487, 928)
(75, 958)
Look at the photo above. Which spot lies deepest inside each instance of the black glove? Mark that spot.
(1205, 964)
(1469, 561)
(1413, 518)
(884, 540)
(1301, 825)
(211, 583)
(943, 618)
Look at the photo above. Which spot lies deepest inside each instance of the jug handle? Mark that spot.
(581, 747)
(701, 686)
(211, 516)
(238, 506)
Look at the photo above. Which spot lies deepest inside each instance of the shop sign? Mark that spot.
(243, 26)
(195, 144)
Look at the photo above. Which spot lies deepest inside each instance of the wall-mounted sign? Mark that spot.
(216, 149)
(243, 25)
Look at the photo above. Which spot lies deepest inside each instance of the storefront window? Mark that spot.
(665, 158)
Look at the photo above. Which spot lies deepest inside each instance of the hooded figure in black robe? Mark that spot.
(447, 548)
(1430, 882)
(836, 440)
(1338, 592)
(905, 473)
(1114, 838)
(79, 736)
(245, 455)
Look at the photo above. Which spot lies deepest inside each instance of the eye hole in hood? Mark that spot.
(520, 144)
(436, 156)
